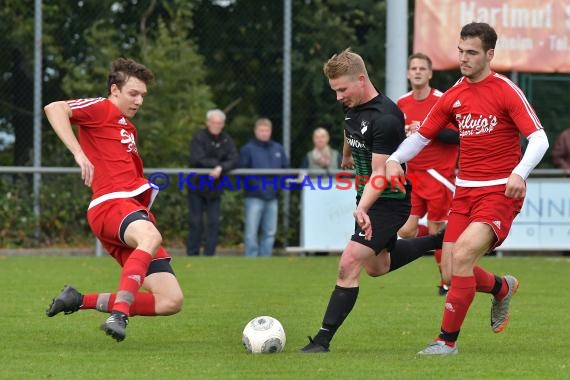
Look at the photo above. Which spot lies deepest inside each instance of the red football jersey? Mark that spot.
(436, 155)
(489, 116)
(108, 139)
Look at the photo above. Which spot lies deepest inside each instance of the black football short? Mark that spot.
(160, 265)
(387, 216)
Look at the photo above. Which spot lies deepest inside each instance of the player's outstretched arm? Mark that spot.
(58, 114)
(371, 193)
(408, 149)
(537, 146)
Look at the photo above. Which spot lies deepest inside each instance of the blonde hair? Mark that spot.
(263, 121)
(344, 63)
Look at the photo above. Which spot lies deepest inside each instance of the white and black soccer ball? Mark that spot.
(263, 335)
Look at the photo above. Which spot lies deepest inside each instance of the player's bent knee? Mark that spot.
(376, 272)
(169, 305)
(348, 269)
(153, 239)
(407, 233)
(463, 260)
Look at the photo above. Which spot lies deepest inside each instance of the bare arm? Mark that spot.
(370, 194)
(347, 160)
(58, 114)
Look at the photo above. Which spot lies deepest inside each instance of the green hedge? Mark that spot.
(63, 205)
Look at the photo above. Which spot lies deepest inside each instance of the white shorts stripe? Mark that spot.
(124, 194)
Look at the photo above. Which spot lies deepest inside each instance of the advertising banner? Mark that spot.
(542, 225)
(533, 35)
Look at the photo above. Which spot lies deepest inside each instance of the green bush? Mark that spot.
(17, 221)
(64, 200)
(63, 206)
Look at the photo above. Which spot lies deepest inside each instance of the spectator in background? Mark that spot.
(214, 149)
(432, 172)
(322, 156)
(561, 152)
(261, 191)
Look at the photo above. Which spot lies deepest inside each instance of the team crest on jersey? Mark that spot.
(364, 126)
(473, 125)
(129, 140)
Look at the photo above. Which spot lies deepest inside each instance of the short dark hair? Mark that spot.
(419, 56)
(122, 69)
(484, 31)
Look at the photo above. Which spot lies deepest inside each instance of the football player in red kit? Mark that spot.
(432, 171)
(119, 215)
(490, 112)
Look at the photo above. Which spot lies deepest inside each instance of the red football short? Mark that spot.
(430, 195)
(482, 204)
(105, 221)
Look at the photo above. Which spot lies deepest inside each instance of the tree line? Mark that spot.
(204, 53)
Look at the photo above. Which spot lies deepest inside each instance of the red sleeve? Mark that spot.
(520, 110)
(87, 112)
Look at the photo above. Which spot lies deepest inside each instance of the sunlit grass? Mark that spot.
(395, 316)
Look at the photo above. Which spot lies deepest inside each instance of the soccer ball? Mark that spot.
(263, 335)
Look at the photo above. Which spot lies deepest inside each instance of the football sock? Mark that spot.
(422, 230)
(485, 280)
(501, 288)
(407, 250)
(340, 304)
(89, 301)
(448, 338)
(143, 304)
(132, 277)
(437, 257)
(459, 298)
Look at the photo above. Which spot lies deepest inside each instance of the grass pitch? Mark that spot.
(395, 316)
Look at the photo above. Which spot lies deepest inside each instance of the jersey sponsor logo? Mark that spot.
(354, 143)
(497, 223)
(361, 234)
(347, 118)
(122, 121)
(457, 104)
(364, 126)
(449, 307)
(129, 140)
(472, 125)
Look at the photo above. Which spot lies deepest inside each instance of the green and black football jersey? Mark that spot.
(374, 127)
